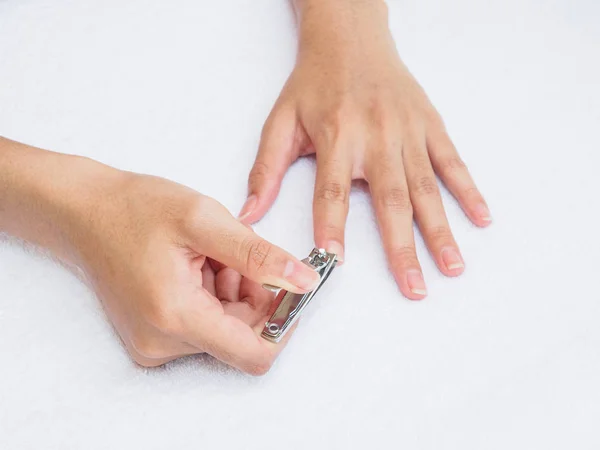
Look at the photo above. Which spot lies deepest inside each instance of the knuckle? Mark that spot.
(195, 209)
(147, 348)
(418, 159)
(257, 253)
(383, 164)
(385, 154)
(404, 256)
(332, 192)
(473, 194)
(268, 125)
(439, 235)
(259, 172)
(333, 119)
(335, 123)
(396, 199)
(329, 128)
(382, 116)
(391, 143)
(451, 164)
(280, 116)
(412, 120)
(332, 231)
(435, 119)
(426, 186)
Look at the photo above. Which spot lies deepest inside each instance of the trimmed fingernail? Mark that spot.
(416, 283)
(483, 212)
(248, 207)
(338, 249)
(452, 259)
(301, 276)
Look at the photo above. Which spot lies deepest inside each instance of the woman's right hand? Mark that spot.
(179, 275)
(175, 271)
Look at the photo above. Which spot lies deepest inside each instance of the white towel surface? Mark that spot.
(506, 356)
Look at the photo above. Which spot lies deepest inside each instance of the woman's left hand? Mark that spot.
(352, 102)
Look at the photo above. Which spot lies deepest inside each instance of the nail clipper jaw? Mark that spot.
(319, 259)
(291, 305)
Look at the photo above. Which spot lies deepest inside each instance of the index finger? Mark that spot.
(218, 235)
(331, 200)
(393, 209)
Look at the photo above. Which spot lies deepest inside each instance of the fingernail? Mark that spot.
(338, 249)
(248, 207)
(483, 212)
(452, 259)
(416, 283)
(301, 276)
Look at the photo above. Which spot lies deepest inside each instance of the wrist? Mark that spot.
(44, 194)
(305, 8)
(332, 28)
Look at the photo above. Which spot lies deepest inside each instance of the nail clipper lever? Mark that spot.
(291, 305)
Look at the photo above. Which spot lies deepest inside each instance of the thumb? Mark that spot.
(278, 148)
(221, 237)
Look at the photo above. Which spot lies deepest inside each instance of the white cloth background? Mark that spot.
(506, 356)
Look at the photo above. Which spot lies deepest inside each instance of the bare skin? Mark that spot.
(352, 102)
(178, 275)
(175, 271)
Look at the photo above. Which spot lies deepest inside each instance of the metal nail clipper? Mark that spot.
(291, 305)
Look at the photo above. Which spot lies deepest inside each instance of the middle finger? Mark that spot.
(429, 210)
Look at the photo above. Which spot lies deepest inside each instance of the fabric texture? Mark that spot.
(505, 356)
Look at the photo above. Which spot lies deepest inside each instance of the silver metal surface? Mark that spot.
(290, 305)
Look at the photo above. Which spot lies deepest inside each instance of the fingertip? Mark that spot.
(260, 201)
(258, 208)
(247, 225)
(301, 276)
(413, 285)
(481, 223)
(412, 296)
(337, 249)
(480, 215)
(248, 208)
(451, 262)
(484, 221)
